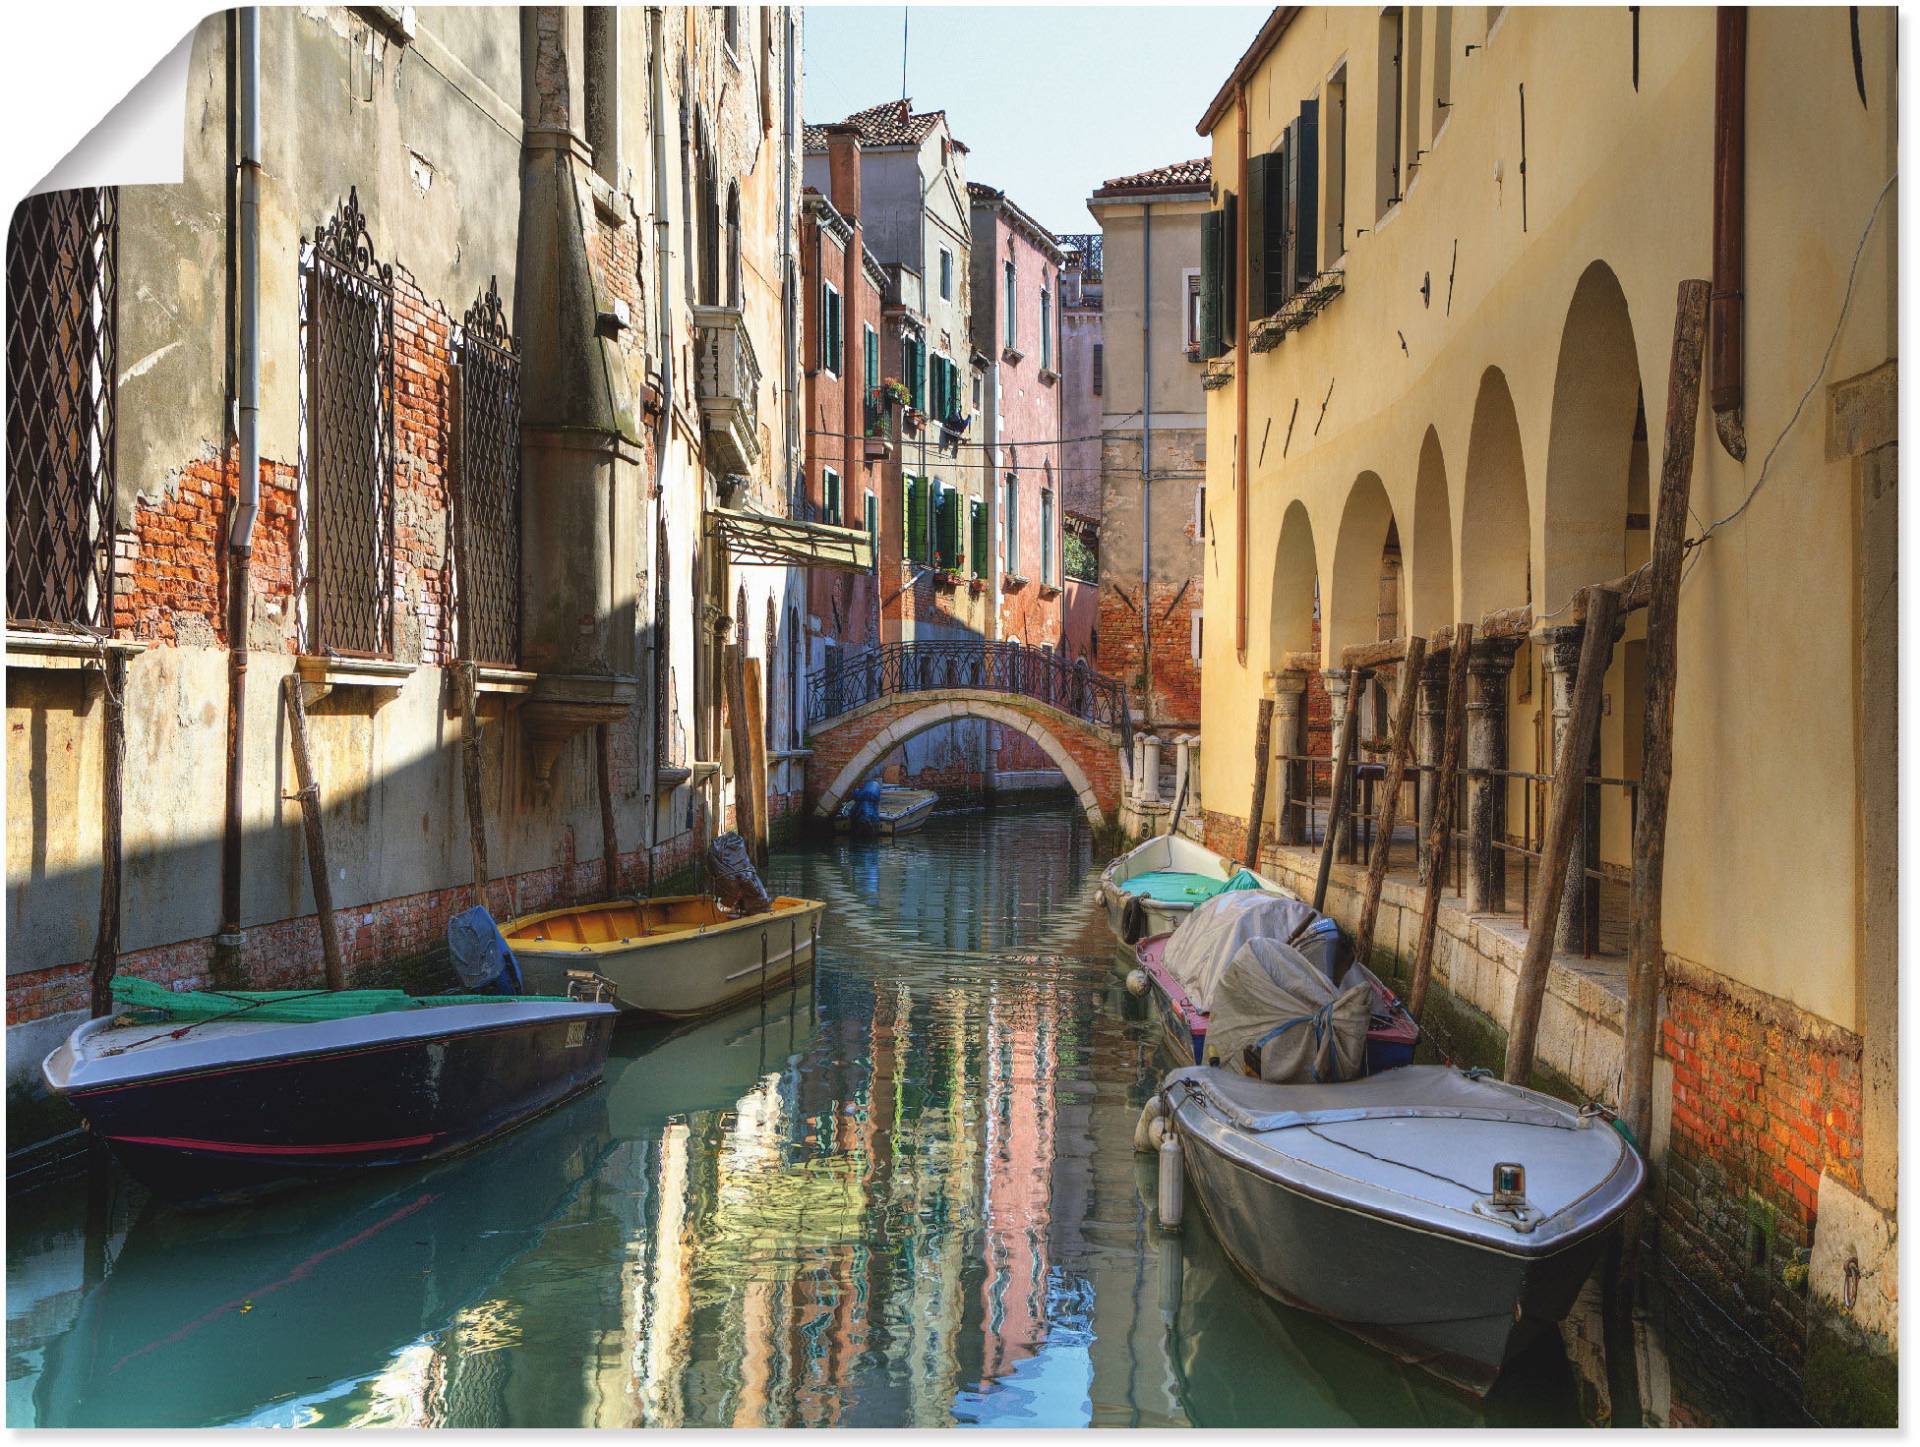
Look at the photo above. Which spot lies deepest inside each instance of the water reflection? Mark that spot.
(903, 1193)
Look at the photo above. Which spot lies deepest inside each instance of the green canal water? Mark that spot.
(904, 1193)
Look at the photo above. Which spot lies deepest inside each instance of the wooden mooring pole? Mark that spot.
(1645, 948)
(742, 735)
(470, 768)
(1262, 748)
(1569, 785)
(309, 797)
(1402, 747)
(106, 947)
(1336, 804)
(1445, 786)
(609, 829)
(757, 758)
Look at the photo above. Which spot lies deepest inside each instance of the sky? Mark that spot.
(1051, 100)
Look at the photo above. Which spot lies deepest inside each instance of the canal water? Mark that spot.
(904, 1193)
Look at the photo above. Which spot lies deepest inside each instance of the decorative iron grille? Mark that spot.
(1016, 668)
(61, 333)
(350, 457)
(487, 493)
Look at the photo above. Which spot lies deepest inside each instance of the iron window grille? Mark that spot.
(62, 258)
(350, 399)
(486, 493)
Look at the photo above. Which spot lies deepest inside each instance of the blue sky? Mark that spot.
(1051, 100)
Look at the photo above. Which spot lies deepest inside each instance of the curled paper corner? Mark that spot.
(141, 141)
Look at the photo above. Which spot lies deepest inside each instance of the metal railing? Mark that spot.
(486, 493)
(1312, 803)
(62, 257)
(350, 459)
(1011, 668)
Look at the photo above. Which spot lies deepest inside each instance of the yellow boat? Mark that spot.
(676, 956)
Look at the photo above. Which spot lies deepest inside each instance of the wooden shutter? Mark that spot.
(1229, 266)
(1303, 196)
(1211, 225)
(916, 520)
(833, 497)
(977, 517)
(1266, 232)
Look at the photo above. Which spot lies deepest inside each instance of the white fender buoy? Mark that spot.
(1173, 1180)
(1143, 1140)
(1136, 982)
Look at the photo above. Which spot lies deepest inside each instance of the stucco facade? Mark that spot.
(1469, 422)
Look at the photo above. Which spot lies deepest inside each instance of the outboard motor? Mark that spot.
(480, 954)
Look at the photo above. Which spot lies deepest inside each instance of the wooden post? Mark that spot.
(1336, 804)
(757, 758)
(1262, 740)
(1445, 787)
(1569, 784)
(1415, 659)
(316, 832)
(609, 831)
(106, 947)
(742, 735)
(1645, 947)
(470, 767)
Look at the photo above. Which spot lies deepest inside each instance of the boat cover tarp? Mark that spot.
(1175, 886)
(292, 1006)
(1418, 1093)
(1275, 1007)
(1208, 939)
(736, 883)
(480, 955)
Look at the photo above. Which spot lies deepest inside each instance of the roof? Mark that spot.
(891, 123)
(983, 195)
(1278, 20)
(1180, 176)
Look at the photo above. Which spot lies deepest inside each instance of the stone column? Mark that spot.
(1488, 665)
(1138, 791)
(1432, 737)
(1150, 772)
(1336, 681)
(1182, 766)
(1561, 653)
(1284, 779)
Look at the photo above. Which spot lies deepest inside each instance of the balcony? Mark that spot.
(727, 376)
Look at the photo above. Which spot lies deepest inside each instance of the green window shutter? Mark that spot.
(873, 361)
(833, 497)
(873, 527)
(1046, 536)
(1303, 196)
(1229, 266)
(1013, 523)
(911, 512)
(946, 529)
(1211, 224)
(977, 517)
(839, 336)
(1266, 233)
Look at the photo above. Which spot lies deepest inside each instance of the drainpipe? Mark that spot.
(1146, 465)
(663, 292)
(240, 540)
(1729, 225)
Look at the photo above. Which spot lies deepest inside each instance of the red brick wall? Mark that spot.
(1175, 696)
(1764, 1100)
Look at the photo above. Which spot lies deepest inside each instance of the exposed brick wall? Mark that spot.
(423, 423)
(1765, 1098)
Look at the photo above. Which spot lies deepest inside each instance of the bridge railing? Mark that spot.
(1011, 668)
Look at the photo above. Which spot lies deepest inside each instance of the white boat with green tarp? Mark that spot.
(212, 1094)
(1151, 888)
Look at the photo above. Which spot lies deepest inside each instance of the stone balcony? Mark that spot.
(727, 376)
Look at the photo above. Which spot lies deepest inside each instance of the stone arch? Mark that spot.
(1296, 582)
(1596, 400)
(1430, 588)
(1495, 532)
(933, 715)
(1351, 605)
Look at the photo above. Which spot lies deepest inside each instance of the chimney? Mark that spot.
(843, 169)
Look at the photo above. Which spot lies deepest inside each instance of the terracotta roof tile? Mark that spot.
(1179, 176)
(891, 123)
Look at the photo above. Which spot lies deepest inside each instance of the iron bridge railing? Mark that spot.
(1011, 668)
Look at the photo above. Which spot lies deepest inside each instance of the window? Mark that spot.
(946, 526)
(603, 91)
(1199, 636)
(486, 493)
(1010, 523)
(915, 490)
(872, 340)
(830, 494)
(1007, 306)
(946, 274)
(977, 536)
(62, 329)
(830, 324)
(912, 350)
(730, 26)
(1200, 512)
(733, 244)
(1442, 65)
(1100, 350)
(1217, 252)
(1191, 280)
(873, 526)
(1046, 535)
(1299, 260)
(1046, 330)
(1387, 156)
(1334, 231)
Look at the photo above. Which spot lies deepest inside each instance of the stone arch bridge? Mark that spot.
(861, 708)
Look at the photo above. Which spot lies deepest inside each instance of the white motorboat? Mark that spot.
(1444, 1216)
(1151, 888)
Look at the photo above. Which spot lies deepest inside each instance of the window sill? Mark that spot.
(1049, 376)
(27, 648)
(1012, 583)
(667, 780)
(704, 769)
(503, 684)
(1012, 354)
(328, 672)
(1049, 591)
